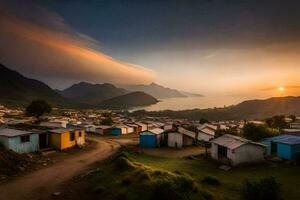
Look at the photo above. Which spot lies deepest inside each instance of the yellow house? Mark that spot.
(64, 138)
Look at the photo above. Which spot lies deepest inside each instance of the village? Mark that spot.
(221, 141)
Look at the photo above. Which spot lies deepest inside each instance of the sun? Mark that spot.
(281, 89)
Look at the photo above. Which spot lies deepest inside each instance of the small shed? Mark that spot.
(142, 126)
(115, 131)
(234, 150)
(19, 141)
(179, 140)
(206, 134)
(151, 138)
(283, 146)
(64, 138)
(102, 129)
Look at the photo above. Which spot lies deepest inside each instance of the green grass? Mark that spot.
(139, 176)
(287, 175)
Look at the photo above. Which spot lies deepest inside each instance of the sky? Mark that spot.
(213, 47)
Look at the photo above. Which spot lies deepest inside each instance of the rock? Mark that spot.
(225, 167)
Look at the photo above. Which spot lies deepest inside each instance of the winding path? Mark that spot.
(42, 183)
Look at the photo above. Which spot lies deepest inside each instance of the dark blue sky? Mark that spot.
(232, 47)
(124, 26)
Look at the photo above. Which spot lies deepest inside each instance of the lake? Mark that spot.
(184, 103)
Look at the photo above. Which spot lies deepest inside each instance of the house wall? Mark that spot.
(246, 153)
(284, 151)
(268, 143)
(295, 151)
(130, 130)
(187, 141)
(15, 144)
(116, 131)
(55, 140)
(214, 151)
(204, 137)
(175, 140)
(148, 141)
(62, 141)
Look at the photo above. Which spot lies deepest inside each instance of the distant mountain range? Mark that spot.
(159, 91)
(251, 109)
(92, 94)
(18, 90)
(129, 100)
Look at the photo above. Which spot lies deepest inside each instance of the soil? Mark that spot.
(42, 184)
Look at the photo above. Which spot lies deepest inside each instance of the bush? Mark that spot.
(209, 180)
(266, 188)
(123, 164)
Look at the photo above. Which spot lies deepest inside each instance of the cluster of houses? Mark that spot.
(70, 129)
(228, 149)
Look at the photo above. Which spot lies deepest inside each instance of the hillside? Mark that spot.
(133, 99)
(155, 90)
(17, 90)
(92, 94)
(252, 109)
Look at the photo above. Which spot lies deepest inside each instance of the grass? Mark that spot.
(139, 176)
(231, 181)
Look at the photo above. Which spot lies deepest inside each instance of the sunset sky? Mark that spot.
(213, 47)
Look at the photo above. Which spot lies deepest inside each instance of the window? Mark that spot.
(72, 136)
(25, 138)
(222, 151)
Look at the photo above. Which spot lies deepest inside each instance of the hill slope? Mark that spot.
(132, 99)
(18, 90)
(156, 90)
(252, 109)
(92, 94)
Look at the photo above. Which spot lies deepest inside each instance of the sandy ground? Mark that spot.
(42, 183)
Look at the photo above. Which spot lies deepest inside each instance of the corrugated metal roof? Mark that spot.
(61, 130)
(13, 132)
(155, 131)
(232, 141)
(285, 139)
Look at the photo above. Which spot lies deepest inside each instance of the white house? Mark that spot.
(102, 129)
(234, 150)
(206, 134)
(179, 140)
(142, 125)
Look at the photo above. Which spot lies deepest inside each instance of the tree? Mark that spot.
(258, 132)
(277, 121)
(203, 121)
(37, 108)
(107, 121)
(231, 131)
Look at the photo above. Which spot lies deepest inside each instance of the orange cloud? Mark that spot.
(60, 55)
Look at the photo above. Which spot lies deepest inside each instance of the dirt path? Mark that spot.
(40, 184)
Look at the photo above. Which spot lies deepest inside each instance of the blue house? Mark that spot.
(115, 131)
(19, 141)
(151, 138)
(283, 146)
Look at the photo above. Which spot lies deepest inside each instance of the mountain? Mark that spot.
(155, 90)
(92, 94)
(189, 94)
(251, 109)
(133, 99)
(17, 90)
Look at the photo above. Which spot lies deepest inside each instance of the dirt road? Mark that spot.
(40, 184)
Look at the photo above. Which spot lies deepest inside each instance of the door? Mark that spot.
(273, 148)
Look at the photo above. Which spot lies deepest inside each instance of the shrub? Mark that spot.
(123, 164)
(266, 188)
(209, 180)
